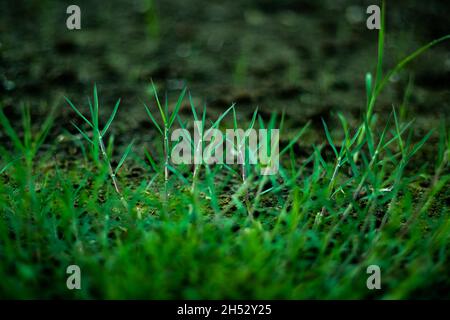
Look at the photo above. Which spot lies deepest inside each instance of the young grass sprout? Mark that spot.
(164, 130)
(96, 138)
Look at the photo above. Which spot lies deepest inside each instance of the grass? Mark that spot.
(219, 231)
(97, 139)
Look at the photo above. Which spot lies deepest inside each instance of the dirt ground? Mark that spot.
(307, 58)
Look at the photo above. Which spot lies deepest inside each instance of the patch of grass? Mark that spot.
(95, 137)
(226, 231)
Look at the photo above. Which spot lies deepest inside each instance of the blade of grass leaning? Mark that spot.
(151, 160)
(252, 122)
(9, 164)
(217, 122)
(96, 107)
(43, 133)
(193, 107)
(153, 120)
(10, 131)
(78, 112)
(177, 108)
(82, 132)
(111, 118)
(420, 144)
(401, 65)
(125, 155)
(330, 140)
(398, 131)
(297, 136)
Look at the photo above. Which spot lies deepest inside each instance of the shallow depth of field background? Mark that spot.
(307, 58)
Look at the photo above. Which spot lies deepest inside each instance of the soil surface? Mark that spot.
(307, 58)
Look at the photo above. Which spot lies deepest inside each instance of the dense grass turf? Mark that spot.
(224, 231)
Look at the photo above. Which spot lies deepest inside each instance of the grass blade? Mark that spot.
(161, 111)
(177, 107)
(401, 65)
(293, 141)
(125, 155)
(44, 131)
(82, 132)
(193, 107)
(419, 145)
(10, 131)
(9, 165)
(150, 160)
(153, 119)
(216, 123)
(111, 118)
(330, 141)
(78, 112)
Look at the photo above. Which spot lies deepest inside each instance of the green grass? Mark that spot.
(225, 231)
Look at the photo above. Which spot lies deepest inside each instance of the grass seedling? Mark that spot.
(199, 147)
(26, 143)
(374, 89)
(96, 138)
(241, 149)
(200, 144)
(164, 130)
(28, 146)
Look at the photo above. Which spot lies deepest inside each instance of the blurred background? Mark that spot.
(307, 58)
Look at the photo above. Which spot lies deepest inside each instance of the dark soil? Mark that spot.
(307, 58)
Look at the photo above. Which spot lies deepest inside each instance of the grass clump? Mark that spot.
(97, 138)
